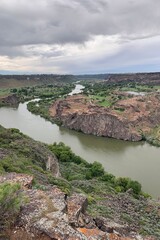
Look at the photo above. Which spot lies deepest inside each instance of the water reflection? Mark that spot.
(103, 144)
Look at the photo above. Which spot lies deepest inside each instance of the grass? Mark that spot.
(138, 88)
(102, 101)
(153, 137)
(4, 92)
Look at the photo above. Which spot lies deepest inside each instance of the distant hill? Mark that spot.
(143, 78)
(11, 81)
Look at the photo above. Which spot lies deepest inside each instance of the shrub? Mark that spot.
(11, 200)
(122, 182)
(97, 169)
(136, 186)
(126, 183)
(65, 154)
(107, 177)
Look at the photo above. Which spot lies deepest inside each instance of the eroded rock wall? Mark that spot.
(127, 120)
(11, 100)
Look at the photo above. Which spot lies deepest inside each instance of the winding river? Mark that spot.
(139, 161)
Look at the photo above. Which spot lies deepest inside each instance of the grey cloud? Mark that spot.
(75, 21)
(26, 25)
(138, 55)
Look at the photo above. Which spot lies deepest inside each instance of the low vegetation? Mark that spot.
(43, 92)
(41, 108)
(153, 137)
(11, 199)
(29, 159)
(106, 94)
(74, 167)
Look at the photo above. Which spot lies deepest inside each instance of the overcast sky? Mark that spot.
(79, 36)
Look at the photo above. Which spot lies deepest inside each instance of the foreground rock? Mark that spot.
(127, 119)
(50, 214)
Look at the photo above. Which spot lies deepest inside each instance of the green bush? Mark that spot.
(97, 169)
(107, 177)
(11, 199)
(126, 183)
(122, 182)
(65, 154)
(136, 186)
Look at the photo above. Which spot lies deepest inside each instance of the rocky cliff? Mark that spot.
(50, 214)
(11, 100)
(126, 120)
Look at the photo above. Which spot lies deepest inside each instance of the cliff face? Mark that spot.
(100, 124)
(20, 150)
(126, 120)
(11, 100)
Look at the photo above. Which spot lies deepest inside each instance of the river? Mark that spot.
(139, 161)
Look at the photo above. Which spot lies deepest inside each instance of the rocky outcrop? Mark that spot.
(76, 206)
(101, 124)
(126, 120)
(23, 179)
(53, 166)
(47, 213)
(50, 214)
(11, 100)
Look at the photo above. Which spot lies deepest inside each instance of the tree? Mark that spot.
(97, 169)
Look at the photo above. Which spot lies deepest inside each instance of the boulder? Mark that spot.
(109, 226)
(76, 207)
(53, 166)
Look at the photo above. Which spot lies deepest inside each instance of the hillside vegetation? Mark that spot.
(117, 199)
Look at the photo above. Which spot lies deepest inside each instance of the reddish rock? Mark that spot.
(93, 234)
(109, 226)
(79, 113)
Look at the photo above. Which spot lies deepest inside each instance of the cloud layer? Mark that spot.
(78, 36)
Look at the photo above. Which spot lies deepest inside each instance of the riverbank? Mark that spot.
(118, 157)
(116, 204)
